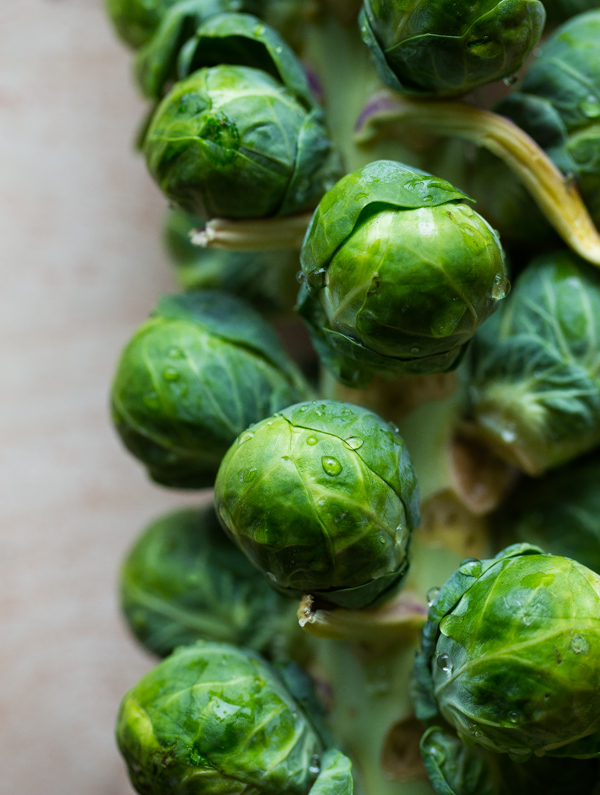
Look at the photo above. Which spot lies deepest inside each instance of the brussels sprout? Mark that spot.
(234, 39)
(193, 377)
(264, 279)
(215, 719)
(560, 512)
(231, 141)
(509, 655)
(322, 497)
(455, 769)
(445, 48)
(398, 274)
(534, 393)
(184, 580)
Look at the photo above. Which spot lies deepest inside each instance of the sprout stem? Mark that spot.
(399, 619)
(557, 196)
(254, 234)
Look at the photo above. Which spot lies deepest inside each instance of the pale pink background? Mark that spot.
(81, 267)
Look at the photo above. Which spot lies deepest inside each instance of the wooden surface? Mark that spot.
(81, 268)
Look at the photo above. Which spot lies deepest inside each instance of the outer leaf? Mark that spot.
(211, 720)
(242, 40)
(335, 777)
(156, 62)
(322, 498)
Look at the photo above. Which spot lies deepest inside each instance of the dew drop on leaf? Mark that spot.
(331, 465)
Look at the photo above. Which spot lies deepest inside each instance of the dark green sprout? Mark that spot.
(184, 581)
(443, 47)
(534, 387)
(560, 512)
(194, 376)
(212, 719)
(267, 280)
(456, 769)
(558, 105)
(232, 142)
(322, 497)
(399, 273)
(509, 656)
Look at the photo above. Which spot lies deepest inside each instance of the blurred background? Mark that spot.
(82, 265)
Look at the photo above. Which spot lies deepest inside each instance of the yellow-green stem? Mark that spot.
(556, 195)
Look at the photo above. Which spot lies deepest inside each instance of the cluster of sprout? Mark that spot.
(394, 587)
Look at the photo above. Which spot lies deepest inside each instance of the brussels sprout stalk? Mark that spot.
(265, 234)
(386, 114)
(370, 704)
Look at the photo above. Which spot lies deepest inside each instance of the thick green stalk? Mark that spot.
(371, 707)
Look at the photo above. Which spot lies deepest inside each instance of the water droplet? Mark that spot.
(579, 645)
(414, 350)
(513, 717)
(245, 437)
(471, 567)
(510, 81)
(590, 107)
(315, 765)
(507, 435)
(431, 595)
(331, 465)
(353, 443)
(375, 284)
(271, 576)
(444, 663)
(311, 440)
(170, 374)
(176, 353)
(317, 279)
(300, 277)
(285, 457)
(303, 409)
(249, 475)
(501, 287)
(382, 539)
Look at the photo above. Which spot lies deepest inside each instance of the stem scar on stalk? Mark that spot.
(387, 114)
